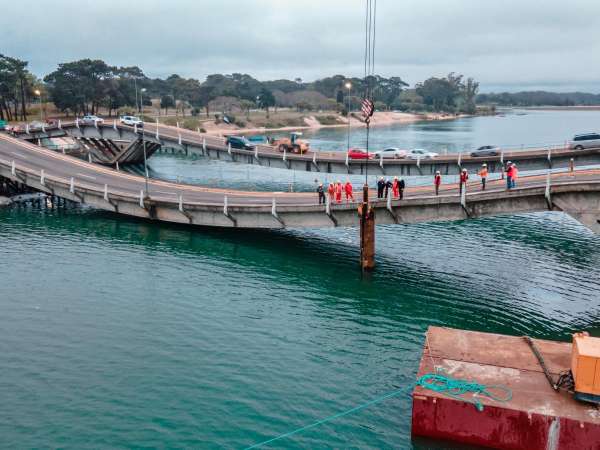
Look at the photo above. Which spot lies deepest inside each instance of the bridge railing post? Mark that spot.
(204, 145)
(463, 194)
(347, 161)
(59, 124)
(229, 148)
(274, 207)
(179, 139)
(284, 153)
(156, 126)
(42, 177)
(13, 169)
(459, 162)
(72, 186)
(142, 198)
(256, 151)
(135, 128)
(115, 124)
(225, 206)
(27, 128)
(180, 203)
(106, 192)
(547, 193)
(419, 162)
(381, 160)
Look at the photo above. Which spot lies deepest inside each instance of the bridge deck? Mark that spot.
(125, 193)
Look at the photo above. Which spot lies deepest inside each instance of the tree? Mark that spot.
(470, 89)
(14, 87)
(166, 102)
(266, 99)
(79, 86)
(246, 106)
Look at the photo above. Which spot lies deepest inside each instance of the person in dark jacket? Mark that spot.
(388, 186)
(380, 187)
(402, 186)
(321, 193)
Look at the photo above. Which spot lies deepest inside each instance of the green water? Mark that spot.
(121, 333)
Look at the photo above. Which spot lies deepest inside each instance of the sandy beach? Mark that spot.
(383, 118)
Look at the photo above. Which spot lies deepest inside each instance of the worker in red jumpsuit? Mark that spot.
(395, 188)
(331, 192)
(437, 180)
(348, 191)
(338, 191)
(464, 176)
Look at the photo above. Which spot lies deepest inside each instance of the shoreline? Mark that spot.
(380, 119)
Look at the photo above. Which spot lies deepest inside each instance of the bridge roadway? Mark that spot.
(193, 143)
(105, 188)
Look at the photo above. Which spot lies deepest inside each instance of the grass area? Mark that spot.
(328, 120)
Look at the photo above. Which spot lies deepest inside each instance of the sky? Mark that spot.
(506, 45)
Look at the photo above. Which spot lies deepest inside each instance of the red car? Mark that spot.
(359, 153)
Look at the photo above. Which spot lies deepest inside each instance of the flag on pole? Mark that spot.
(368, 108)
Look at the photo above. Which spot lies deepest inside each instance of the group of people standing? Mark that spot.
(397, 186)
(335, 191)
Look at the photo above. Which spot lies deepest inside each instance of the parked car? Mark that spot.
(36, 125)
(486, 150)
(240, 142)
(419, 153)
(359, 153)
(91, 120)
(391, 152)
(587, 140)
(131, 121)
(2, 124)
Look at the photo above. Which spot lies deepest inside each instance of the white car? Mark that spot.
(131, 121)
(91, 120)
(391, 152)
(419, 153)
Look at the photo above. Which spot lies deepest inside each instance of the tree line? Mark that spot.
(540, 98)
(87, 85)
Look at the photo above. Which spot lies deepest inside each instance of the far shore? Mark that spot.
(379, 119)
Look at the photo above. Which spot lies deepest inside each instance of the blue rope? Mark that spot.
(456, 388)
(451, 387)
(330, 418)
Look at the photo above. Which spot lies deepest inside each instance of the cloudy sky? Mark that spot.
(506, 45)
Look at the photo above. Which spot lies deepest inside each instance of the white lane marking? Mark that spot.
(164, 192)
(86, 176)
(19, 155)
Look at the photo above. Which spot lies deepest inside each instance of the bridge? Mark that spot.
(105, 143)
(23, 163)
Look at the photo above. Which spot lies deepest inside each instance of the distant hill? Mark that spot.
(539, 98)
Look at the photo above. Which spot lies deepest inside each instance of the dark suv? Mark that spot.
(588, 140)
(239, 142)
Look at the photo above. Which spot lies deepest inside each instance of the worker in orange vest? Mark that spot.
(331, 192)
(396, 188)
(348, 191)
(464, 176)
(338, 192)
(437, 180)
(515, 175)
(483, 174)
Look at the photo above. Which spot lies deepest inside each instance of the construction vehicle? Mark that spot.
(292, 144)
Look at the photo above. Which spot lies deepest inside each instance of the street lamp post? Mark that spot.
(39, 94)
(349, 87)
(144, 143)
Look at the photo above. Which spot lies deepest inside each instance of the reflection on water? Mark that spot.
(131, 333)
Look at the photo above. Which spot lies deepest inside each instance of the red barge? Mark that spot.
(537, 417)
